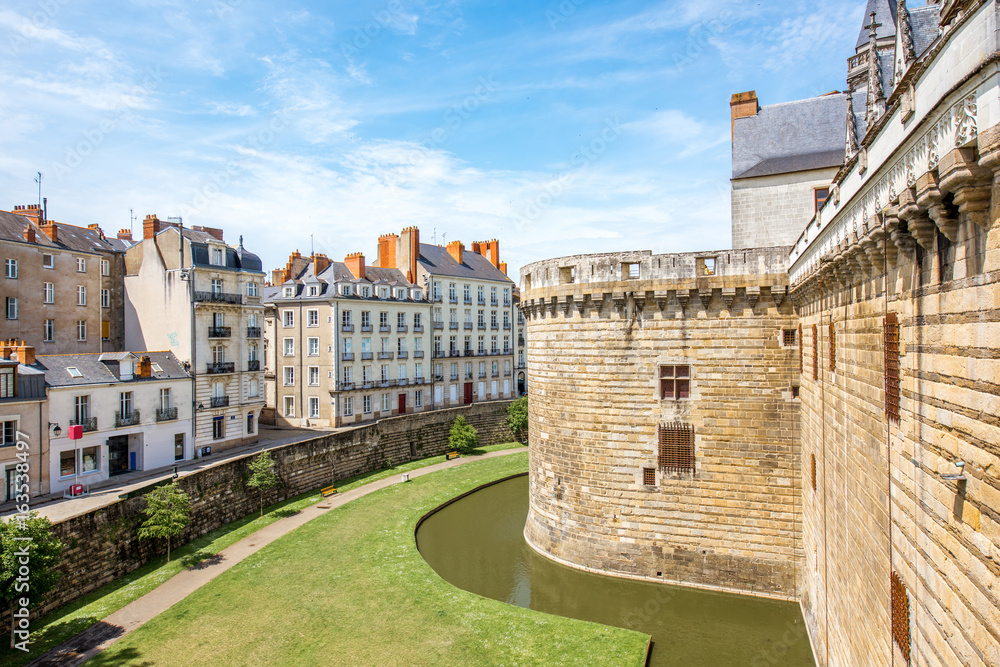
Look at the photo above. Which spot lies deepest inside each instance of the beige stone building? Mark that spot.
(688, 424)
(190, 293)
(24, 424)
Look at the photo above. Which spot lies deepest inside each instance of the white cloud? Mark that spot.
(231, 109)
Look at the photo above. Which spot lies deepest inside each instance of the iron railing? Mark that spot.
(221, 367)
(88, 424)
(220, 401)
(219, 297)
(220, 332)
(166, 414)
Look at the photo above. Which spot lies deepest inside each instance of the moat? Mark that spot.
(477, 544)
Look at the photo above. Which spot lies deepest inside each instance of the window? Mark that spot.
(254, 389)
(10, 268)
(345, 290)
(820, 195)
(366, 319)
(313, 350)
(81, 329)
(81, 409)
(815, 353)
(313, 407)
(676, 448)
(252, 289)
(89, 460)
(48, 262)
(314, 376)
(348, 406)
(11, 309)
(416, 320)
(675, 382)
(312, 318)
(890, 333)
(81, 295)
(385, 373)
(366, 292)
(217, 286)
(81, 265)
(795, 391)
(418, 370)
(67, 463)
(800, 350)
(105, 298)
(288, 292)
(367, 404)
(165, 402)
(788, 338)
(385, 403)
(288, 318)
(649, 476)
(8, 433)
(313, 290)
(50, 330)
(178, 447)
(74, 372)
(383, 320)
(401, 320)
(217, 256)
(289, 376)
(348, 374)
(402, 372)
(418, 398)
(900, 607)
(218, 354)
(105, 267)
(289, 406)
(48, 293)
(218, 428)
(833, 349)
(125, 404)
(288, 346)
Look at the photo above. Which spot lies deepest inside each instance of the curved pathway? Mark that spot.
(84, 646)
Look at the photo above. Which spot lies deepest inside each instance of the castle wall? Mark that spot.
(596, 342)
(771, 210)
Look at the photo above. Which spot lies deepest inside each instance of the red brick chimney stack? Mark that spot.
(387, 251)
(743, 105)
(356, 264)
(151, 226)
(124, 235)
(455, 249)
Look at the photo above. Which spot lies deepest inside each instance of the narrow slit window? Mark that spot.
(812, 472)
(675, 382)
(800, 350)
(815, 353)
(676, 448)
(890, 331)
(833, 348)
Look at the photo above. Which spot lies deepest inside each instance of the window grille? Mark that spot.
(833, 348)
(890, 331)
(900, 603)
(789, 337)
(675, 382)
(815, 353)
(649, 476)
(812, 473)
(676, 448)
(800, 350)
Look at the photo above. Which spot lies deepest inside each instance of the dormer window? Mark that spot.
(383, 293)
(345, 290)
(401, 294)
(217, 258)
(417, 295)
(313, 290)
(125, 370)
(289, 292)
(366, 292)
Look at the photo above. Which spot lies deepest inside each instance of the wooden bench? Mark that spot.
(451, 455)
(328, 491)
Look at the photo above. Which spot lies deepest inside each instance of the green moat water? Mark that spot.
(477, 544)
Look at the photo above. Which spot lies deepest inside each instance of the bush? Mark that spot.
(463, 437)
(517, 419)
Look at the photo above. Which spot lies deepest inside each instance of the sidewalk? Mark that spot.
(103, 634)
(57, 508)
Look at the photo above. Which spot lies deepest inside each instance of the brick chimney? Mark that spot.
(408, 253)
(503, 267)
(29, 233)
(277, 277)
(50, 229)
(31, 211)
(214, 232)
(387, 251)
(489, 249)
(151, 226)
(320, 263)
(477, 247)
(6, 347)
(25, 353)
(145, 369)
(455, 249)
(743, 105)
(124, 235)
(356, 264)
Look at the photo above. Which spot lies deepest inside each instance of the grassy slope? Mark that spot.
(350, 588)
(61, 624)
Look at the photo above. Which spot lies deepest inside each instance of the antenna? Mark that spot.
(38, 179)
(434, 238)
(131, 219)
(444, 238)
(312, 246)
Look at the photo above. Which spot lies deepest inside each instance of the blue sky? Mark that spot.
(560, 128)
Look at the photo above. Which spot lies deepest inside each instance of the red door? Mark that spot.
(468, 393)
(402, 404)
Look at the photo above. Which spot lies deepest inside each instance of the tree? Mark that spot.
(463, 437)
(517, 419)
(167, 513)
(29, 553)
(262, 476)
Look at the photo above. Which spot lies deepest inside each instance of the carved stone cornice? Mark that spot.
(931, 197)
(753, 295)
(970, 182)
(706, 297)
(918, 222)
(729, 295)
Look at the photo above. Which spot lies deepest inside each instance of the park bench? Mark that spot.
(328, 491)
(451, 455)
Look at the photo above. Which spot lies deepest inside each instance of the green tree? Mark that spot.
(29, 553)
(517, 419)
(262, 476)
(463, 436)
(167, 513)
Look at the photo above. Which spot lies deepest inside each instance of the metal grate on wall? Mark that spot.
(833, 348)
(800, 349)
(649, 476)
(676, 447)
(815, 353)
(900, 604)
(890, 331)
(812, 473)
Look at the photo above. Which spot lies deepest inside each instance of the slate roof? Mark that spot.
(70, 237)
(438, 261)
(96, 371)
(885, 13)
(925, 25)
(795, 136)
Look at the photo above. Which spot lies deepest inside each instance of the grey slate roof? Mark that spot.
(70, 237)
(795, 136)
(885, 13)
(438, 261)
(925, 24)
(96, 371)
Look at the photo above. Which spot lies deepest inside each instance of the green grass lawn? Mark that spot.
(58, 626)
(350, 588)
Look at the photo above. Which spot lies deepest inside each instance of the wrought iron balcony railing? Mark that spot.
(88, 424)
(220, 401)
(221, 368)
(127, 419)
(166, 414)
(219, 297)
(220, 332)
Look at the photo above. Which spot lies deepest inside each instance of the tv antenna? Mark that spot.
(131, 219)
(38, 179)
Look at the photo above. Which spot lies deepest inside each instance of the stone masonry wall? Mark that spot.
(595, 344)
(770, 210)
(102, 546)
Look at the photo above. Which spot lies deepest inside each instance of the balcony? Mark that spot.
(386, 383)
(367, 384)
(347, 356)
(506, 326)
(127, 419)
(520, 342)
(481, 353)
(402, 382)
(482, 326)
(221, 367)
(403, 355)
(453, 299)
(453, 326)
(253, 332)
(468, 376)
(418, 380)
(220, 332)
(346, 386)
(402, 328)
(482, 375)
(468, 326)
(454, 378)
(496, 374)
(467, 300)
(419, 354)
(89, 423)
(482, 301)
(439, 325)
(253, 365)
(468, 352)
(166, 414)
(366, 328)
(385, 356)
(495, 351)
(418, 328)
(384, 328)
(438, 354)
(436, 298)
(506, 303)
(218, 297)
(220, 401)
(438, 378)
(493, 302)
(520, 365)
(454, 353)
(367, 356)
(506, 374)
(495, 326)
(347, 328)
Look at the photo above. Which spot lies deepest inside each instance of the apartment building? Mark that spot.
(473, 315)
(520, 345)
(191, 293)
(24, 436)
(346, 343)
(62, 288)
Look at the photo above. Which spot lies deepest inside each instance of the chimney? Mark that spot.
(455, 249)
(408, 253)
(151, 226)
(277, 277)
(493, 248)
(145, 367)
(387, 251)
(743, 105)
(6, 347)
(124, 235)
(31, 211)
(320, 263)
(503, 267)
(25, 353)
(97, 228)
(29, 233)
(50, 229)
(356, 264)
(214, 232)
(477, 247)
